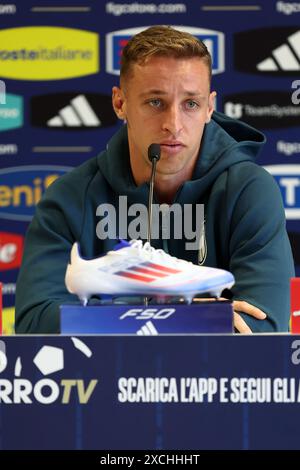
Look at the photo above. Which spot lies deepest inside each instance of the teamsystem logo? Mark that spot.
(67, 111)
(273, 51)
(46, 391)
(288, 179)
(117, 40)
(47, 53)
(263, 109)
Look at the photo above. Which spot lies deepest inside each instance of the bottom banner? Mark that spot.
(163, 392)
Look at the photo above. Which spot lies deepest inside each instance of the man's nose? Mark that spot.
(172, 121)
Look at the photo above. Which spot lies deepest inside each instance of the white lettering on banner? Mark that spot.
(288, 148)
(208, 390)
(118, 9)
(273, 110)
(250, 390)
(21, 391)
(8, 149)
(198, 389)
(147, 390)
(8, 9)
(287, 8)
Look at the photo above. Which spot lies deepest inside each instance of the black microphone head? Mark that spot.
(154, 152)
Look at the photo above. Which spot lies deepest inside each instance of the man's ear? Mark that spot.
(118, 102)
(211, 106)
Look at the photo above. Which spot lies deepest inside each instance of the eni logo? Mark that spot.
(22, 187)
(48, 53)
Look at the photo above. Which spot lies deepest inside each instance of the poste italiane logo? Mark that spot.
(47, 53)
(48, 360)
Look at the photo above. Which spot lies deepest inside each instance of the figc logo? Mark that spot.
(117, 40)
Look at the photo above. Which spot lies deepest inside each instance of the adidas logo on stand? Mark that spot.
(147, 330)
(78, 114)
(285, 57)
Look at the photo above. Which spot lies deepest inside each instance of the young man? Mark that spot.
(207, 158)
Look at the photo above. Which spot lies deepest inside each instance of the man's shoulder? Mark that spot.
(78, 178)
(250, 183)
(83, 172)
(248, 172)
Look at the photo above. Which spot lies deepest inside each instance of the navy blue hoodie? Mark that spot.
(244, 225)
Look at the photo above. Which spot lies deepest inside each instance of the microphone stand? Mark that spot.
(154, 156)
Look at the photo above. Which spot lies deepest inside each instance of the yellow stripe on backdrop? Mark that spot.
(8, 321)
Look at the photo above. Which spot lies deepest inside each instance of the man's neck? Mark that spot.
(165, 188)
(166, 184)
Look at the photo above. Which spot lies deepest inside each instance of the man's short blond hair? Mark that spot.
(162, 41)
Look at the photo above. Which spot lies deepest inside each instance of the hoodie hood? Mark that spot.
(225, 143)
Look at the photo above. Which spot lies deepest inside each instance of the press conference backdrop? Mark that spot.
(59, 63)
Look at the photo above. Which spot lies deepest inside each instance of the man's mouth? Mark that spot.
(171, 143)
(171, 147)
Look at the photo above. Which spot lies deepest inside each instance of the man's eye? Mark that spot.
(191, 104)
(155, 103)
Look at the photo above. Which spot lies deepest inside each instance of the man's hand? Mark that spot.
(245, 307)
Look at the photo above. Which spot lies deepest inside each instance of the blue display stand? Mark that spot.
(201, 317)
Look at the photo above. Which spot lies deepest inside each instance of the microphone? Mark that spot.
(154, 152)
(154, 156)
